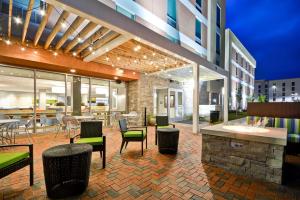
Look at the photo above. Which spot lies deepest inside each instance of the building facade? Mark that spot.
(282, 90)
(241, 66)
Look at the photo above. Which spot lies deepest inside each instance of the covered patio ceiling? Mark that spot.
(63, 33)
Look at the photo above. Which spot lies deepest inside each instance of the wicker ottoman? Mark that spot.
(67, 169)
(168, 140)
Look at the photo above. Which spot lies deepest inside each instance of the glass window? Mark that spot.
(85, 95)
(293, 83)
(218, 45)
(125, 12)
(198, 5)
(16, 93)
(99, 96)
(198, 32)
(218, 16)
(118, 96)
(171, 15)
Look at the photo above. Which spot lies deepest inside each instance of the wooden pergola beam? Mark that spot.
(85, 31)
(9, 18)
(107, 38)
(43, 24)
(56, 28)
(97, 35)
(77, 22)
(27, 19)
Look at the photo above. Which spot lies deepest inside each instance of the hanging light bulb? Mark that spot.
(79, 39)
(18, 20)
(42, 12)
(63, 25)
(90, 48)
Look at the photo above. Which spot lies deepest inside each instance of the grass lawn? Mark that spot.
(233, 116)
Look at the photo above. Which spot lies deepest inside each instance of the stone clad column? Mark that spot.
(76, 95)
(225, 101)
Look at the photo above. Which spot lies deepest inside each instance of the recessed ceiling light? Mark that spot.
(8, 42)
(135, 61)
(55, 53)
(133, 73)
(112, 65)
(74, 54)
(93, 52)
(146, 73)
(156, 66)
(18, 20)
(153, 54)
(35, 52)
(116, 78)
(23, 49)
(118, 58)
(72, 70)
(107, 58)
(42, 12)
(90, 48)
(144, 56)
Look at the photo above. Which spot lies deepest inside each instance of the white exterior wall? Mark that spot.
(279, 90)
(241, 66)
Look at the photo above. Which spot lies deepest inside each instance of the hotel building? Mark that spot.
(281, 90)
(241, 66)
(109, 56)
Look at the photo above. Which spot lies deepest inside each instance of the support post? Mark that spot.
(196, 96)
(225, 102)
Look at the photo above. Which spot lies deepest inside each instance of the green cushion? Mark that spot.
(129, 134)
(7, 159)
(165, 126)
(91, 140)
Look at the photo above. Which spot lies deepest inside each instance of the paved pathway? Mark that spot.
(153, 176)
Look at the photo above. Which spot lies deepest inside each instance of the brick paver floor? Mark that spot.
(152, 176)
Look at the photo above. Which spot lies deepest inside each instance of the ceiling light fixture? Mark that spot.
(133, 73)
(79, 39)
(153, 54)
(8, 42)
(90, 48)
(74, 54)
(145, 57)
(23, 49)
(118, 58)
(72, 70)
(107, 58)
(55, 53)
(93, 52)
(135, 61)
(35, 52)
(116, 78)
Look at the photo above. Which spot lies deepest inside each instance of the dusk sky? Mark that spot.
(270, 30)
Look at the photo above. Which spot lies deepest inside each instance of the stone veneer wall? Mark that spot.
(140, 93)
(254, 159)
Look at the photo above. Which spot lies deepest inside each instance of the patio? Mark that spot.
(152, 176)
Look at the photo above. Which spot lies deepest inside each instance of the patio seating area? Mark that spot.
(151, 176)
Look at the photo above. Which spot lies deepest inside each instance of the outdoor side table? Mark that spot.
(67, 169)
(168, 140)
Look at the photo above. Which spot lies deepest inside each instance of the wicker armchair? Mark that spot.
(13, 161)
(132, 134)
(162, 122)
(91, 133)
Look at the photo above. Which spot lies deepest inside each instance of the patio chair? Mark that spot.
(60, 124)
(71, 124)
(13, 161)
(91, 133)
(162, 122)
(132, 134)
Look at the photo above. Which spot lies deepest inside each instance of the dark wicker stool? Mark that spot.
(168, 140)
(67, 169)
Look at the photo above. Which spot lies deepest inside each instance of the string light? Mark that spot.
(18, 20)
(63, 25)
(93, 53)
(137, 48)
(153, 54)
(90, 48)
(145, 57)
(107, 58)
(79, 39)
(42, 12)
